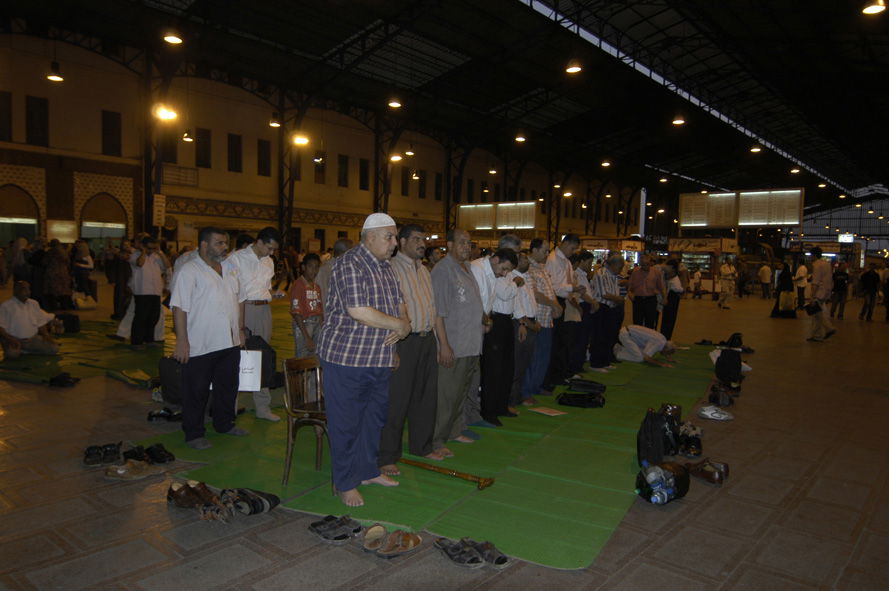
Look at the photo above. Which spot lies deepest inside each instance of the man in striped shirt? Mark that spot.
(606, 320)
(547, 309)
(413, 387)
(366, 316)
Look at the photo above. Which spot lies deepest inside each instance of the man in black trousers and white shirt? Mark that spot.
(207, 317)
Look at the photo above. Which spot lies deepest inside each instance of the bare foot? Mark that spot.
(445, 452)
(352, 498)
(390, 470)
(436, 456)
(512, 410)
(382, 480)
(529, 401)
(464, 439)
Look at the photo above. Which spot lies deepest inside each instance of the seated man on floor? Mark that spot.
(640, 344)
(24, 327)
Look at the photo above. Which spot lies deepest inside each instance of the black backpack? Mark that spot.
(735, 341)
(581, 385)
(581, 399)
(650, 438)
(728, 367)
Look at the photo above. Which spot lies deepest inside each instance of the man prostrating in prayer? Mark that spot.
(366, 316)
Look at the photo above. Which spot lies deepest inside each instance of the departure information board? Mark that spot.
(781, 207)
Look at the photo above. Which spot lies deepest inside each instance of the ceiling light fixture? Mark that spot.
(275, 121)
(394, 103)
(409, 151)
(678, 120)
(794, 171)
(870, 210)
(567, 194)
(607, 195)
(395, 158)
(492, 170)
(620, 212)
(540, 199)
(573, 67)
(648, 204)
(879, 217)
(164, 113)
(857, 205)
(842, 196)
(186, 137)
(557, 186)
(583, 205)
(704, 192)
(874, 7)
(606, 163)
(822, 185)
(520, 137)
(300, 140)
(756, 148)
(55, 73)
(661, 210)
(172, 37)
(663, 179)
(675, 221)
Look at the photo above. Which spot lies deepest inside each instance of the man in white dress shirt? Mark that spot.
(149, 265)
(207, 317)
(255, 272)
(24, 327)
(562, 274)
(497, 348)
(525, 327)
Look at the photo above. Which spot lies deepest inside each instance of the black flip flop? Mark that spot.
(459, 553)
(489, 553)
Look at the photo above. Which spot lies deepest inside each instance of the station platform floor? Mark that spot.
(806, 505)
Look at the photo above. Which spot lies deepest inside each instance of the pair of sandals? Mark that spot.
(471, 554)
(155, 454)
(102, 455)
(384, 544)
(709, 470)
(165, 414)
(336, 530)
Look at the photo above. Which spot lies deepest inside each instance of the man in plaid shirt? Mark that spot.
(548, 308)
(366, 316)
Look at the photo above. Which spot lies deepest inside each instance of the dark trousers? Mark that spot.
(838, 298)
(413, 395)
(497, 366)
(671, 311)
(524, 352)
(356, 400)
(605, 326)
(563, 336)
(219, 368)
(766, 290)
(645, 311)
(867, 308)
(539, 364)
(800, 297)
(582, 332)
(145, 316)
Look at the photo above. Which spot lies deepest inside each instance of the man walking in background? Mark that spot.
(820, 327)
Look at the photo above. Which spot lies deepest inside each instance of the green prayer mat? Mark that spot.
(562, 484)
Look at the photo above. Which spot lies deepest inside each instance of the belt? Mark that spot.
(256, 302)
(500, 314)
(422, 333)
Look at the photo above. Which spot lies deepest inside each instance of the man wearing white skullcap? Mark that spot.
(366, 316)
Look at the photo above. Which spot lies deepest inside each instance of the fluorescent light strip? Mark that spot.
(573, 26)
(104, 225)
(18, 221)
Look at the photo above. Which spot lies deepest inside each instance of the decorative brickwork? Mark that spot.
(31, 179)
(233, 209)
(87, 184)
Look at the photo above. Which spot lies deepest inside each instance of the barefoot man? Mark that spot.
(366, 316)
(413, 389)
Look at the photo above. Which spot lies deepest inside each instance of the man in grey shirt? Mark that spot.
(340, 247)
(459, 328)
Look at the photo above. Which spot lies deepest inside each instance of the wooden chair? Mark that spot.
(304, 403)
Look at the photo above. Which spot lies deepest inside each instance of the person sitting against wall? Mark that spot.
(24, 327)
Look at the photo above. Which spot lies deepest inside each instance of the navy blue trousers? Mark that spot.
(357, 402)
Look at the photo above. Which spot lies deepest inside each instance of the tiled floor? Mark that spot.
(806, 507)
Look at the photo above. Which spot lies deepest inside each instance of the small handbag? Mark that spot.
(813, 308)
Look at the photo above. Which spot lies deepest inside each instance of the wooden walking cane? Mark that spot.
(482, 483)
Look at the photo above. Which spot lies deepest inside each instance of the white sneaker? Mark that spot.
(715, 413)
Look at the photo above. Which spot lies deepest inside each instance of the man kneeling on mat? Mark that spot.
(640, 344)
(24, 327)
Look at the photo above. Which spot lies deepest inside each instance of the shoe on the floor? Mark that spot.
(714, 413)
(132, 470)
(159, 454)
(249, 501)
(470, 434)
(137, 453)
(92, 456)
(237, 432)
(710, 471)
(199, 443)
(460, 553)
(489, 553)
(829, 334)
(111, 453)
(183, 496)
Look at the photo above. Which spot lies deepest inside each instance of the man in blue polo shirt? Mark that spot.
(366, 316)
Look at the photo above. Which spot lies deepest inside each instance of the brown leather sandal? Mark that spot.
(710, 471)
(399, 543)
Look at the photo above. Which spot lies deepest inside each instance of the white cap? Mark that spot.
(377, 220)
